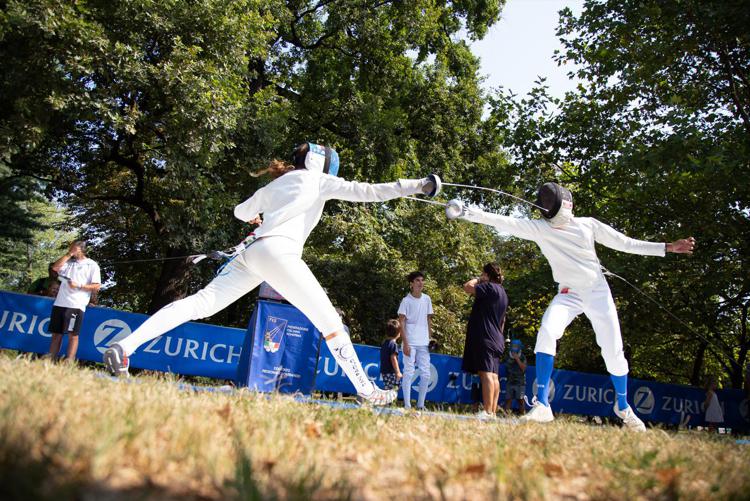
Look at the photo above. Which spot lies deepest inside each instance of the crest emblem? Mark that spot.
(275, 328)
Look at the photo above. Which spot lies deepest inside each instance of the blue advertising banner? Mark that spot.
(190, 349)
(280, 352)
(593, 395)
(447, 383)
(285, 343)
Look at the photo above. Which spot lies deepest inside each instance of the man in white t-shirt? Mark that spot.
(415, 317)
(79, 277)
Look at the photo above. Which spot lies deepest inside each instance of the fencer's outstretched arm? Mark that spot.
(610, 237)
(332, 187)
(522, 228)
(606, 235)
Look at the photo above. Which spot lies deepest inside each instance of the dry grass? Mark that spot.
(68, 433)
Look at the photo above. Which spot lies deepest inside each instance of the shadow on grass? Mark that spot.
(26, 475)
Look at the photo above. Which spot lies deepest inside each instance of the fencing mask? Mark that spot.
(557, 202)
(316, 157)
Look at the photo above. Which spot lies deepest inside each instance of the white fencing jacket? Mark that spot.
(293, 203)
(570, 248)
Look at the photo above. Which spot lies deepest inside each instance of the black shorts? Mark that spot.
(481, 361)
(65, 320)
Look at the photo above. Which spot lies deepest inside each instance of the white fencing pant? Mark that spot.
(419, 356)
(276, 260)
(597, 304)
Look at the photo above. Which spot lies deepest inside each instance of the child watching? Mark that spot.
(390, 372)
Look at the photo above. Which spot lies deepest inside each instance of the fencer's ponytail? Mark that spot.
(494, 272)
(276, 168)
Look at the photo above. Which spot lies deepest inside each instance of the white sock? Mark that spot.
(343, 351)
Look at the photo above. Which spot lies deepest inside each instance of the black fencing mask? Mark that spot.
(557, 202)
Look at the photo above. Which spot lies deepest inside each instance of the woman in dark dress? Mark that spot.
(484, 335)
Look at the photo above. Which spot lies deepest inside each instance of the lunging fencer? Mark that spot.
(291, 206)
(568, 244)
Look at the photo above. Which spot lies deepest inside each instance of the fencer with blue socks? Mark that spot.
(568, 243)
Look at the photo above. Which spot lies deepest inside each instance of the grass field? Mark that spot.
(69, 433)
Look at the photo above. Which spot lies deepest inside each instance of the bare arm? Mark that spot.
(470, 286)
(521, 363)
(394, 363)
(73, 250)
(405, 343)
(87, 288)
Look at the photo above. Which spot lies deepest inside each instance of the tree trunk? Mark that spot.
(695, 376)
(738, 372)
(173, 280)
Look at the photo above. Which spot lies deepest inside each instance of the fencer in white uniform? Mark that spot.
(568, 244)
(291, 205)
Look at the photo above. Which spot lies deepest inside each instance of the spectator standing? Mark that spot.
(390, 372)
(80, 276)
(415, 318)
(41, 286)
(515, 387)
(53, 289)
(714, 414)
(484, 335)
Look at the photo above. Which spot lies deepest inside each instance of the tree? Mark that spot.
(653, 142)
(145, 116)
(24, 259)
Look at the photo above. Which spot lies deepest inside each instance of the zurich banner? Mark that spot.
(283, 352)
(190, 349)
(593, 395)
(280, 352)
(447, 383)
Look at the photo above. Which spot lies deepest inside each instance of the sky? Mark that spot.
(519, 48)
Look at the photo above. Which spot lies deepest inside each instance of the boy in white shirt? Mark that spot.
(415, 317)
(79, 277)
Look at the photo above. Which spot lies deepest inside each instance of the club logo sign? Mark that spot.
(110, 331)
(434, 378)
(275, 328)
(551, 395)
(643, 399)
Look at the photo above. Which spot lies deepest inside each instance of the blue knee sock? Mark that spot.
(621, 388)
(544, 364)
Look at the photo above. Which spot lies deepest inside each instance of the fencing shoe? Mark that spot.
(378, 397)
(629, 419)
(116, 361)
(539, 413)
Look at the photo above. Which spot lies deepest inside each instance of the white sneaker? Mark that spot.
(378, 397)
(484, 415)
(539, 413)
(629, 419)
